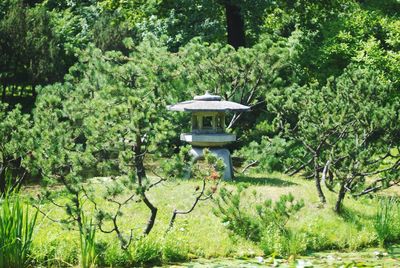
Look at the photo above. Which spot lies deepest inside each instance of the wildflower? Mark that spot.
(214, 175)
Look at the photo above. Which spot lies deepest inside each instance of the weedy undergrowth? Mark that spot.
(386, 219)
(87, 234)
(16, 230)
(263, 223)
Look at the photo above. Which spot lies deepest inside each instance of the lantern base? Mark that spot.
(224, 154)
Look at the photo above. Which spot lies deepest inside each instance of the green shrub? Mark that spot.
(386, 220)
(293, 244)
(270, 241)
(57, 249)
(235, 217)
(16, 230)
(277, 214)
(175, 249)
(263, 223)
(110, 254)
(283, 244)
(146, 250)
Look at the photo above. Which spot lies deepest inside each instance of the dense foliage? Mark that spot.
(264, 223)
(39, 39)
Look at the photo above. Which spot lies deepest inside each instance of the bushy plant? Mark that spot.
(288, 243)
(17, 225)
(235, 217)
(15, 146)
(263, 223)
(386, 220)
(146, 250)
(174, 249)
(111, 254)
(278, 213)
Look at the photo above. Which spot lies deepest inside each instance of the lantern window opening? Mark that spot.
(208, 122)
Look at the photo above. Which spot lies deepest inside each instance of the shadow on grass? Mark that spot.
(394, 250)
(270, 181)
(354, 217)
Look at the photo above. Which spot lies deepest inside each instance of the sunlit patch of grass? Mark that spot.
(201, 234)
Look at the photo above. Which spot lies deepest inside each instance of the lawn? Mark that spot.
(201, 235)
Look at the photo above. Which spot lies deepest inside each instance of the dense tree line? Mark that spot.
(40, 40)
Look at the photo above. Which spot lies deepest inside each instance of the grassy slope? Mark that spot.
(201, 234)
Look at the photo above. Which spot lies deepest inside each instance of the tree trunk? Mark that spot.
(317, 180)
(146, 201)
(140, 171)
(141, 174)
(3, 95)
(153, 214)
(2, 179)
(341, 195)
(235, 25)
(139, 156)
(33, 91)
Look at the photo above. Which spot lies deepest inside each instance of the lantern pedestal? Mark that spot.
(224, 154)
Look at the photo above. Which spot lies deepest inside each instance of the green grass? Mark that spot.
(201, 234)
(87, 235)
(16, 230)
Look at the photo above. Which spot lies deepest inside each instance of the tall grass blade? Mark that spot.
(16, 230)
(87, 234)
(384, 219)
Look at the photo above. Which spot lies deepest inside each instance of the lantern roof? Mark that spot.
(209, 103)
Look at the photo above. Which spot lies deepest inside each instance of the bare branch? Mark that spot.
(161, 179)
(373, 189)
(394, 166)
(46, 215)
(255, 162)
(300, 168)
(183, 212)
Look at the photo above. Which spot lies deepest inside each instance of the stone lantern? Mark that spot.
(208, 126)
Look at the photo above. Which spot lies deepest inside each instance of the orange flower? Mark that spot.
(214, 175)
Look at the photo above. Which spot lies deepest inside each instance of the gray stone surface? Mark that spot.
(224, 154)
(208, 140)
(208, 102)
(215, 106)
